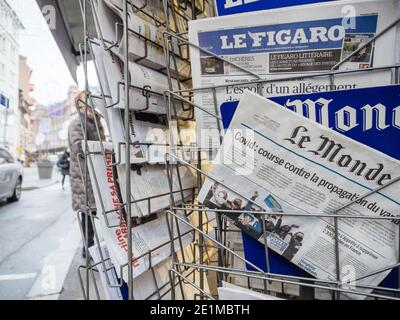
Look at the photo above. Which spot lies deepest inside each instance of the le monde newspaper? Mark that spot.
(280, 162)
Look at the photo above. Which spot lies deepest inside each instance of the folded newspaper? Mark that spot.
(151, 186)
(147, 95)
(108, 276)
(152, 284)
(276, 161)
(145, 40)
(230, 291)
(108, 67)
(153, 11)
(148, 54)
(149, 240)
(289, 42)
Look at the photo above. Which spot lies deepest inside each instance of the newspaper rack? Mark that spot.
(213, 250)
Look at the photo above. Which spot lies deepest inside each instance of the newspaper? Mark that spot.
(260, 284)
(113, 220)
(145, 96)
(278, 162)
(230, 291)
(110, 287)
(150, 187)
(109, 74)
(161, 286)
(152, 284)
(289, 42)
(149, 85)
(153, 12)
(145, 40)
(156, 136)
(108, 67)
(147, 93)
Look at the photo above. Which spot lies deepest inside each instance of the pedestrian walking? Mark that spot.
(81, 201)
(63, 165)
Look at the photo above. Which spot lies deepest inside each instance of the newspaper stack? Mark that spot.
(151, 184)
(147, 26)
(151, 250)
(147, 114)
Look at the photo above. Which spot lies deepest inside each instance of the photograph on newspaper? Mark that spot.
(276, 161)
(282, 43)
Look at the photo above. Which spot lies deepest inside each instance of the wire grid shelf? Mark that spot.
(214, 257)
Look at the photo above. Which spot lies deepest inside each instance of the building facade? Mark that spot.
(26, 136)
(50, 124)
(10, 26)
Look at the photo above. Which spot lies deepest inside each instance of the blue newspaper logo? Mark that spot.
(300, 36)
(368, 115)
(227, 7)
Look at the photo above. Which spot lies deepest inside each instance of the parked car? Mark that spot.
(10, 177)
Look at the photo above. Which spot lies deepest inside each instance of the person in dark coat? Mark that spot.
(283, 230)
(295, 243)
(249, 205)
(270, 224)
(76, 136)
(63, 165)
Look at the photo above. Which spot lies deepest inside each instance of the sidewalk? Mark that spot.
(72, 287)
(66, 259)
(31, 179)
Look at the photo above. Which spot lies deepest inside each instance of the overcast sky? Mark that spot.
(50, 75)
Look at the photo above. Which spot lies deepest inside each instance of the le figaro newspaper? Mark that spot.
(289, 42)
(280, 162)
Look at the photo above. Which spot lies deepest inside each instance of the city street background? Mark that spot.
(41, 246)
(40, 242)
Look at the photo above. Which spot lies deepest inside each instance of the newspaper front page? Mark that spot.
(149, 139)
(276, 161)
(289, 42)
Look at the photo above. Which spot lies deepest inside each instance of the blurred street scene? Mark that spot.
(41, 260)
(35, 263)
(39, 233)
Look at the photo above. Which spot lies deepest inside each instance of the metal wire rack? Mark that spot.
(213, 254)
